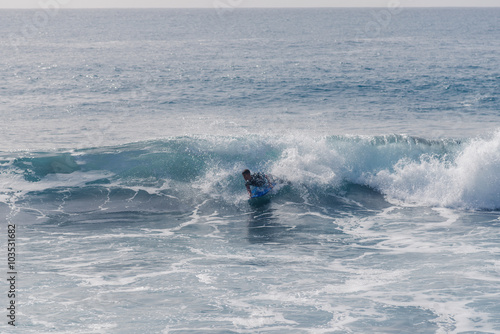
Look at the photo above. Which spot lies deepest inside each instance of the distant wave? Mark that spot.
(447, 173)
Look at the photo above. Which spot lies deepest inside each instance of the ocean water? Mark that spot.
(124, 134)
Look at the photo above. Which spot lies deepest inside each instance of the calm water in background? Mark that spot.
(124, 133)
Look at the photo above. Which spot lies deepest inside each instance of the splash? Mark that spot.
(468, 179)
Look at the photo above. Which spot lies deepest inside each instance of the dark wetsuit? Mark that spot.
(257, 180)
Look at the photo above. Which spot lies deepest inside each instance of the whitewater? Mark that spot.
(124, 134)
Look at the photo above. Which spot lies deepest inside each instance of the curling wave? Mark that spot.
(448, 173)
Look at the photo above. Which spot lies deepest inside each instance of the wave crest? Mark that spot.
(412, 170)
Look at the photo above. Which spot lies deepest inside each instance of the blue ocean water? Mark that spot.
(123, 138)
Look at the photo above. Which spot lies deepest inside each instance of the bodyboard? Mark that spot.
(261, 191)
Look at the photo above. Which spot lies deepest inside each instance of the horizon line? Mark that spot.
(258, 7)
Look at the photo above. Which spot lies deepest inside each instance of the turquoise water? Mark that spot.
(124, 134)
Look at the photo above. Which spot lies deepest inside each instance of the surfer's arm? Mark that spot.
(269, 182)
(248, 189)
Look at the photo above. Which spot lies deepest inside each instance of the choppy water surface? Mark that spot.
(124, 134)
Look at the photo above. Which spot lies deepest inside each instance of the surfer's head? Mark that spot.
(246, 174)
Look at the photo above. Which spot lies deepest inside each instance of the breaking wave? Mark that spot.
(448, 173)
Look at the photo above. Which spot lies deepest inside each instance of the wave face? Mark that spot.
(443, 173)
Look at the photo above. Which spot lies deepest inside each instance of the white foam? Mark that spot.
(310, 161)
(262, 318)
(17, 183)
(470, 180)
(205, 278)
